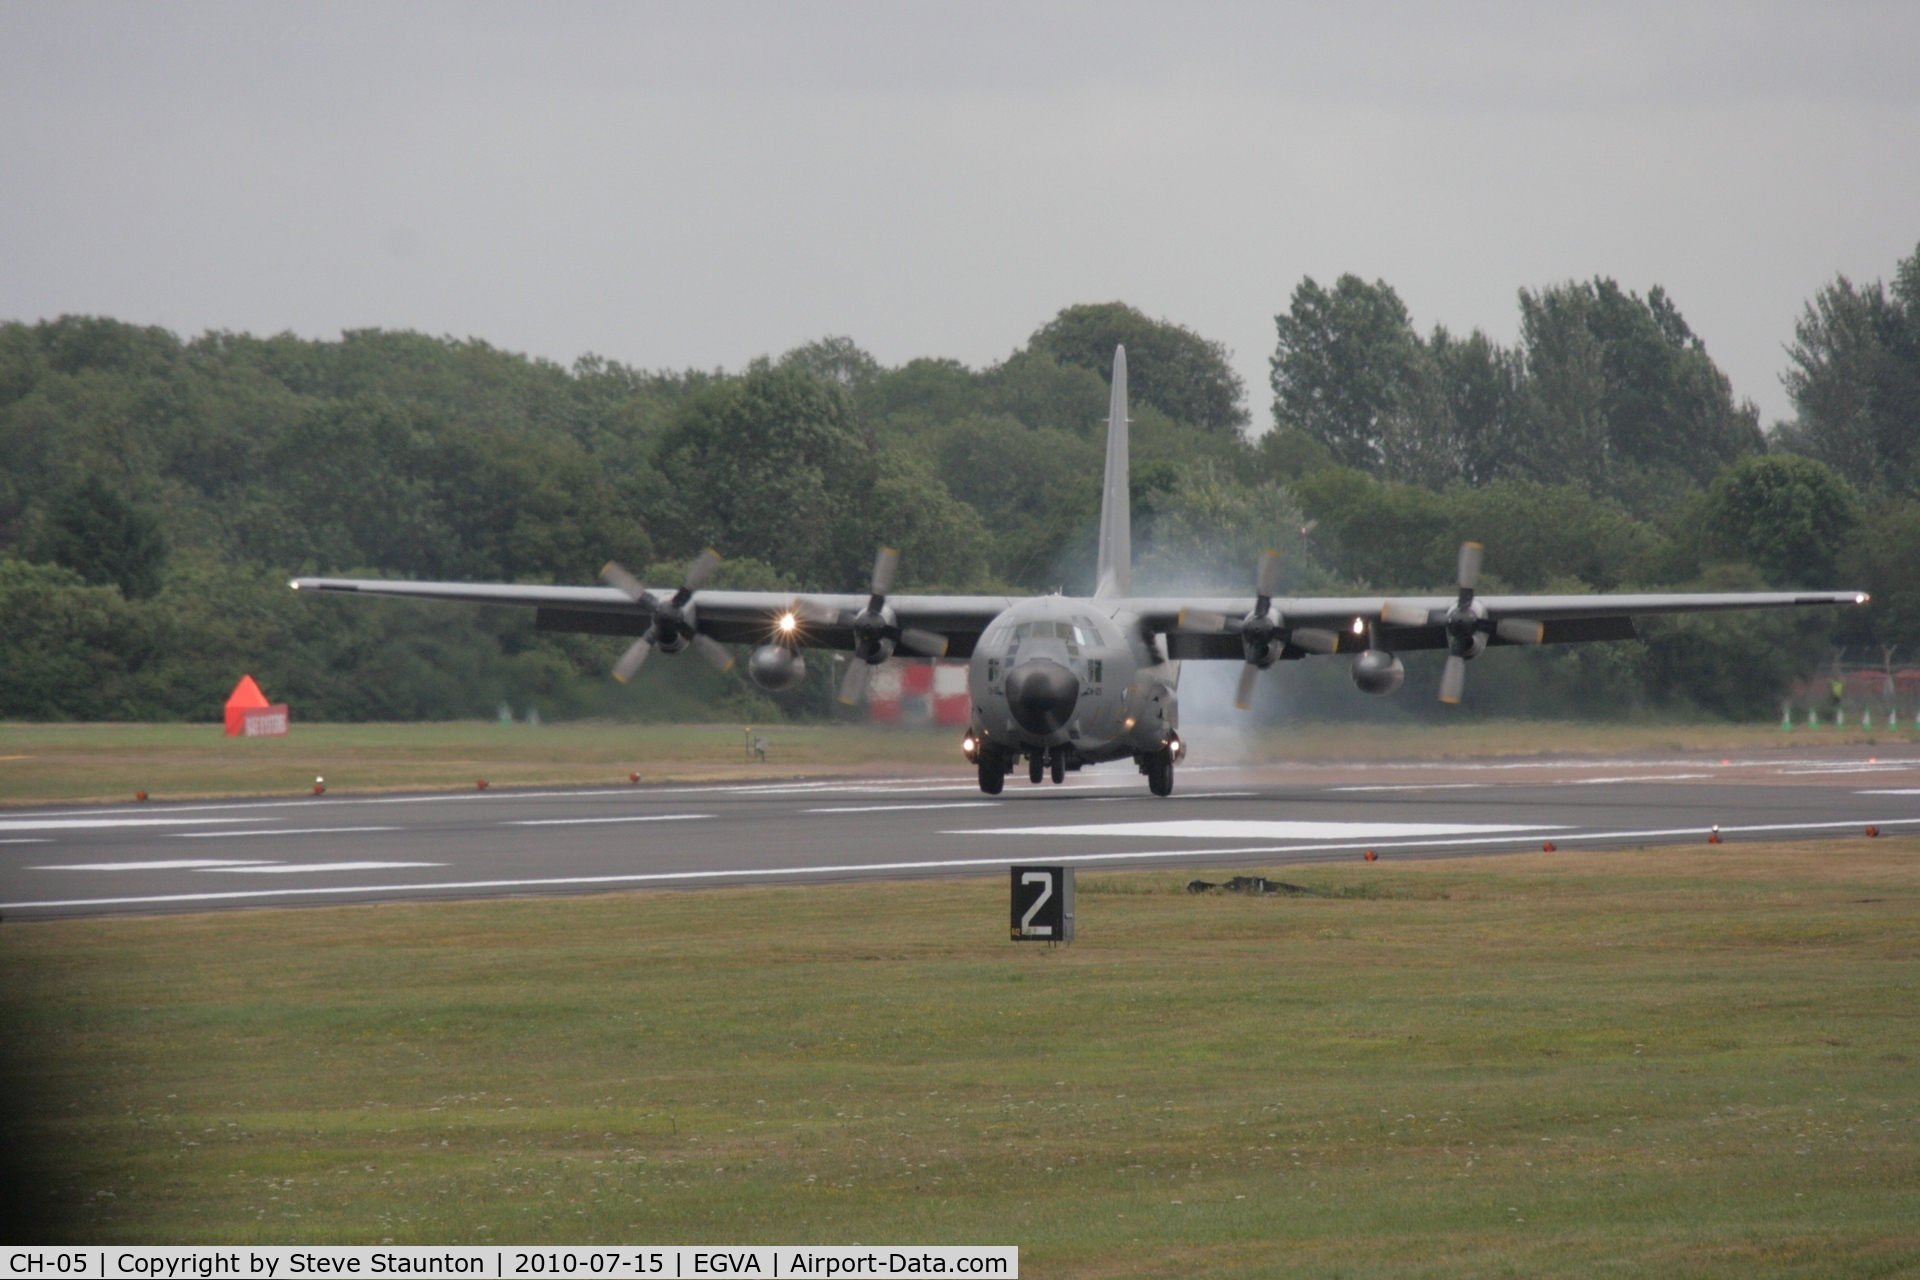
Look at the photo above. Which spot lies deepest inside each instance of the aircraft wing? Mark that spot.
(1563, 619)
(735, 617)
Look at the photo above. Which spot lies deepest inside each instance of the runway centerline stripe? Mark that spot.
(1653, 777)
(1895, 791)
(27, 840)
(939, 864)
(159, 864)
(1416, 786)
(907, 808)
(1230, 829)
(282, 831)
(87, 824)
(298, 868)
(631, 817)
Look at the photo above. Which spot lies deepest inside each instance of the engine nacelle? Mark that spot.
(1378, 672)
(776, 668)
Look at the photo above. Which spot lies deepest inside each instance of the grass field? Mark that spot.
(67, 762)
(1674, 1062)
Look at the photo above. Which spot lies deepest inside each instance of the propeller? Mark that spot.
(672, 628)
(875, 629)
(1468, 626)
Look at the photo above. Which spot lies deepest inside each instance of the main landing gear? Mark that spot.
(1041, 764)
(1158, 766)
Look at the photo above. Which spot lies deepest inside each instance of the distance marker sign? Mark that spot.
(1042, 904)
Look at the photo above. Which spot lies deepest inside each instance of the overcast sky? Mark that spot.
(673, 185)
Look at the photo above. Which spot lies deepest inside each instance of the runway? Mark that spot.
(147, 858)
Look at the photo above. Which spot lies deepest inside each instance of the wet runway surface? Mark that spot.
(134, 859)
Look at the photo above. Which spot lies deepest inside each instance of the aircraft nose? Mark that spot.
(1041, 695)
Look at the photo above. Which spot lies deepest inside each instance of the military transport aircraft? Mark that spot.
(1063, 681)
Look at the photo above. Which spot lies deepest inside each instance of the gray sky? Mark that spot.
(674, 185)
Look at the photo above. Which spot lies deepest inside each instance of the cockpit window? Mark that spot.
(1078, 631)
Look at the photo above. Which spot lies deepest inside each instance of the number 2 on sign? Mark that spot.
(1027, 927)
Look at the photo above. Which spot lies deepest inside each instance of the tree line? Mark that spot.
(157, 492)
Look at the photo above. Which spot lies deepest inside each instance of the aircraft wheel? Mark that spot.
(1160, 773)
(992, 777)
(1059, 763)
(1034, 765)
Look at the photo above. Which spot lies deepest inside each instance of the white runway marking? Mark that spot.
(1415, 786)
(940, 864)
(27, 840)
(632, 817)
(905, 808)
(1896, 791)
(1641, 777)
(164, 864)
(83, 824)
(1228, 829)
(296, 868)
(285, 831)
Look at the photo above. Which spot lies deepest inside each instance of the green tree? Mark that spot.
(1787, 516)
(91, 529)
(1883, 559)
(1855, 382)
(1623, 396)
(767, 467)
(1169, 366)
(1349, 371)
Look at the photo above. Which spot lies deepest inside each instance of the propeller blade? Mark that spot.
(630, 660)
(1267, 579)
(1519, 631)
(1402, 615)
(1202, 621)
(701, 571)
(626, 582)
(927, 643)
(813, 611)
(1314, 640)
(1249, 677)
(714, 652)
(854, 687)
(884, 565)
(1453, 681)
(1470, 553)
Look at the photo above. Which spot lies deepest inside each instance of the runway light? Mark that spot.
(1873, 831)
(139, 795)
(633, 777)
(1372, 856)
(319, 786)
(1548, 848)
(481, 785)
(1713, 836)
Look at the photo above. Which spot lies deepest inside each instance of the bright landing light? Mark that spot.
(787, 622)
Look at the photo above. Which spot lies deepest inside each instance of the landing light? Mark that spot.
(1862, 598)
(787, 622)
(1359, 627)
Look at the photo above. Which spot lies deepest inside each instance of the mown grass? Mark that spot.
(1673, 1062)
(40, 763)
(65, 762)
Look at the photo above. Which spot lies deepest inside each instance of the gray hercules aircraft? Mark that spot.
(1065, 681)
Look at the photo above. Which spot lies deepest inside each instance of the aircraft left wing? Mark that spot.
(734, 617)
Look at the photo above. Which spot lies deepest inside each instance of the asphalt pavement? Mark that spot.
(199, 856)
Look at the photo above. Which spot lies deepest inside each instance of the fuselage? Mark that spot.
(1071, 676)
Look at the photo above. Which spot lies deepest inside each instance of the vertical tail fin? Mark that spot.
(1115, 575)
